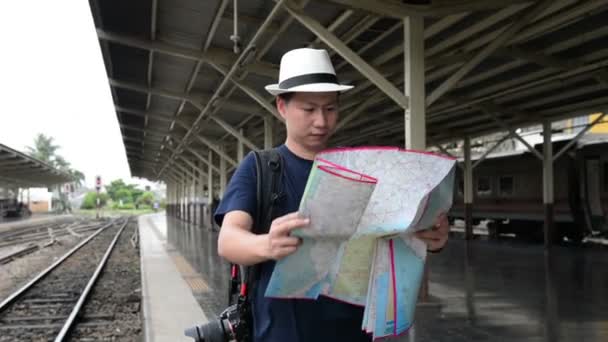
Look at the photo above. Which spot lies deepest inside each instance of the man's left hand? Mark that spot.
(436, 236)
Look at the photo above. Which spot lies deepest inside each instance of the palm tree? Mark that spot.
(77, 176)
(43, 149)
(46, 151)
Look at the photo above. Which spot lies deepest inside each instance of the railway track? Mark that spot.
(47, 307)
(44, 232)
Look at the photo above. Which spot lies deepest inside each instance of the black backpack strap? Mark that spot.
(268, 170)
(269, 165)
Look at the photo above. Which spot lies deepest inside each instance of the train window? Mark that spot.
(505, 186)
(483, 186)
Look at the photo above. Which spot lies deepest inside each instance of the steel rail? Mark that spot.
(46, 271)
(85, 293)
(23, 251)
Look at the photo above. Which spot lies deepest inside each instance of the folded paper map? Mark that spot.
(364, 205)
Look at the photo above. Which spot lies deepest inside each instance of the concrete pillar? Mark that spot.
(468, 189)
(415, 117)
(223, 174)
(268, 132)
(548, 183)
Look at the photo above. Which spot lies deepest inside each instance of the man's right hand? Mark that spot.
(280, 242)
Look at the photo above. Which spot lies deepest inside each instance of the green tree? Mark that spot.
(124, 195)
(119, 190)
(113, 188)
(90, 200)
(135, 192)
(78, 176)
(146, 198)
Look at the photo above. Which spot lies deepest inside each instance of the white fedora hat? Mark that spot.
(306, 70)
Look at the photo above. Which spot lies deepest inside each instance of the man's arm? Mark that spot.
(239, 245)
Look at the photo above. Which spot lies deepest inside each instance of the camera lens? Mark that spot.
(213, 331)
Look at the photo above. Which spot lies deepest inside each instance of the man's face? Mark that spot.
(310, 118)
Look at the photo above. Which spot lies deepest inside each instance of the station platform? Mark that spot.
(483, 290)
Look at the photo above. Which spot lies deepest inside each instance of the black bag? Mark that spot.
(269, 165)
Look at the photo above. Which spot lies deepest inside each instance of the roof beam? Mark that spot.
(201, 158)
(252, 93)
(530, 82)
(459, 36)
(272, 27)
(13, 162)
(250, 48)
(385, 8)
(562, 16)
(194, 99)
(216, 55)
(235, 132)
(519, 23)
(146, 130)
(343, 50)
(216, 149)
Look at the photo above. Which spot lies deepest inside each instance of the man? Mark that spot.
(307, 98)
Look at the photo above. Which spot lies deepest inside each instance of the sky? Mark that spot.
(53, 81)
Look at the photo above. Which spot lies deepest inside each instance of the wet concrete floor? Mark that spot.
(480, 290)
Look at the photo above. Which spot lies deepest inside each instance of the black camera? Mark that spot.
(232, 325)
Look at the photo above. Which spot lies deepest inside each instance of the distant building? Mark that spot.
(40, 200)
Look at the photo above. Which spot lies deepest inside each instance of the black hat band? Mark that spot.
(308, 79)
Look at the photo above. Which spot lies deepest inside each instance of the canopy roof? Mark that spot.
(20, 170)
(179, 89)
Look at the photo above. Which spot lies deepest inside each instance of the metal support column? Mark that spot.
(240, 148)
(188, 196)
(468, 189)
(169, 196)
(178, 200)
(210, 179)
(267, 132)
(201, 196)
(184, 191)
(174, 199)
(413, 42)
(193, 201)
(548, 183)
(210, 189)
(415, 118)
(223, 172)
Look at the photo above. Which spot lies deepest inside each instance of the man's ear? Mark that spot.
(281, 104)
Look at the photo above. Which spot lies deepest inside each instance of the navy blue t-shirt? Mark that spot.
(294, 320)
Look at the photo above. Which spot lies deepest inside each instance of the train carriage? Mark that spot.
(508, 187)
